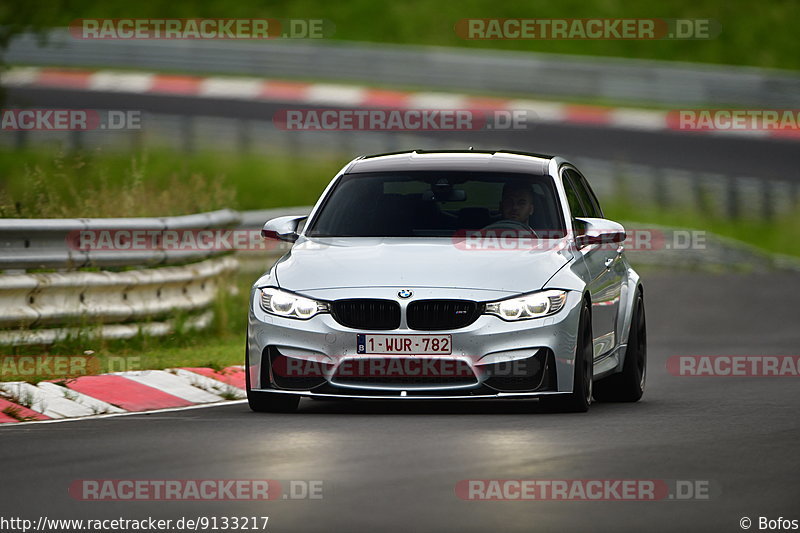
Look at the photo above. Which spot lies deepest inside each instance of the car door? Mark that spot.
(603, 263)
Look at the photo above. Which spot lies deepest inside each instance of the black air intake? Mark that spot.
(433, 315)
(367, 314)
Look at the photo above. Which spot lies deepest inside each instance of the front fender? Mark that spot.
(630, 287)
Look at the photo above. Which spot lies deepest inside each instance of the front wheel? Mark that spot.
(580, 398)
(271, 402)
(628, 385)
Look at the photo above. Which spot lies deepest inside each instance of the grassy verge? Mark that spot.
(161, 182)
(204, 350)
(37, 183)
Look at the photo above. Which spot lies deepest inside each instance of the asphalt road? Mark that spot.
(394, 467)
(771, 158)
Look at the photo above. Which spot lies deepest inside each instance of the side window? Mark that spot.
(572, 196)
(587, 195)
(590, 208)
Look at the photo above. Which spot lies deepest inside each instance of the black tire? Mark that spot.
(268, 402)
(628, 385)
(580, 398)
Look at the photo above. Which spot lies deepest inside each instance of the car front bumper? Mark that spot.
(491, 358)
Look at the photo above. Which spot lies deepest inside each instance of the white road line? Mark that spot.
(322, 93)
(214, 386)
(247, 88)
(43, 401)
(426, 100)
(128, 82)
(19, 76)
(639, 119)
(96, 406)
(543, 111)
(171, 384)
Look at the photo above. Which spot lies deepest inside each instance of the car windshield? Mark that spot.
(438, 204)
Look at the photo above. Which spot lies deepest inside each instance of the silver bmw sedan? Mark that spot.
(429, 275)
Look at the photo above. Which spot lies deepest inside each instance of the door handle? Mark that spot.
(609, 261)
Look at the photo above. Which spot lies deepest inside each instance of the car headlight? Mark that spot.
(282, 303)
(533, 305)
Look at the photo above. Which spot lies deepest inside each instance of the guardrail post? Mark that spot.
(620, 184)
(767, 199)
(393, 143)
(292, 142)
(20, 139)
(74, 141)
(137, 141)
(732, 201)
(700, 198)
(245, 141)
(662, 192)
(187, 133)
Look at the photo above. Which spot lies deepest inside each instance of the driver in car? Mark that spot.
(516, 207)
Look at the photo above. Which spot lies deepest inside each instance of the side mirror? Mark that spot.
(282, 228)
(598, 231)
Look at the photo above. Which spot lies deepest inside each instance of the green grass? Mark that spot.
(758, 35)
(37, 183)
(205, 350)
(162, 182)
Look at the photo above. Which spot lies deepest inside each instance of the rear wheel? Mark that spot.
(580, 398)
(628, 385)
(268, 402)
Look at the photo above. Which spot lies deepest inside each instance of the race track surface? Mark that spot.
(394, 467)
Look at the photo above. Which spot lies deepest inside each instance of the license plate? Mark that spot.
(404, 344)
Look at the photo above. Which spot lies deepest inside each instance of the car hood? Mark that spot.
(415, 262)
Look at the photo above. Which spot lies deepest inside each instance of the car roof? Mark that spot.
(453, 160)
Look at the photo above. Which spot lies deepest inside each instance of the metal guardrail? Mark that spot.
(507, 72)
(44, 243)
(256, 218)
(105, 331)
(44, 307)
(47, 299)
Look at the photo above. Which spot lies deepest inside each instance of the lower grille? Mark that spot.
(432, 315)
(410, 372)
(536, 373)
(370, 314)
(290, 373)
